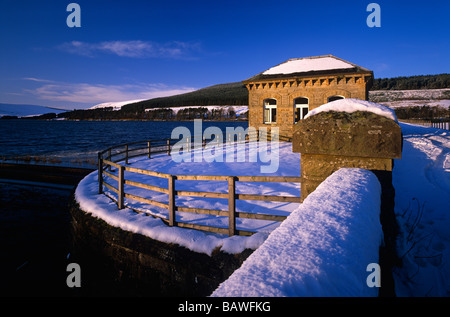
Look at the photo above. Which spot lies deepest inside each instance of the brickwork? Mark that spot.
(316, 89)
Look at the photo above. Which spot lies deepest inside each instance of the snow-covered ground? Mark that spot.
(421, 180)
(410, 98)
(422, 203)
(103, 207)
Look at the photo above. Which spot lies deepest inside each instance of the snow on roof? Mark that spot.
(351, 105)
(308, 64)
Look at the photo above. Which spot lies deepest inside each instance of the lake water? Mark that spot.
(76, 143)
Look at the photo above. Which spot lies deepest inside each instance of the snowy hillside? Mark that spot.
(408, 98)
(115, 105)
(26, 110)
(390, 98)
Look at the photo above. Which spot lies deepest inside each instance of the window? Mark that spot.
(301, 108)
(270, 110)
(333, 98)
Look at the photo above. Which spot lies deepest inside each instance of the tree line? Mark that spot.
(422, 112)
(165, 114)
(412, 82)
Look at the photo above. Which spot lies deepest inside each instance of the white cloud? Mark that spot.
(135, 49)
(99, 93)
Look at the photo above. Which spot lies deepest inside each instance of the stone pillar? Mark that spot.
(330, 140)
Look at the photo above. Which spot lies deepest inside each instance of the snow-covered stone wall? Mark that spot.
(324, 248)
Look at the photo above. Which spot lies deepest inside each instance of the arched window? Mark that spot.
(333, 98)
(301, 108)
(270, 110)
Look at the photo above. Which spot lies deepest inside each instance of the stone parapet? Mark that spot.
(357, 134)
(331, 140)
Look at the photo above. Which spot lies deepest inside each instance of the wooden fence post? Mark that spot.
(231, 206)
(168, 146)
(172, 221)
(109, 159)
(149, 148)
(126, 154)
(100, 173)
(121, 187)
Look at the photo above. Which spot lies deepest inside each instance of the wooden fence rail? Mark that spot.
(435, 123)
(105, 162)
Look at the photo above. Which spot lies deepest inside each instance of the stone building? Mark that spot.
(284, 94)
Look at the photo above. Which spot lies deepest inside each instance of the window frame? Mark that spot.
(300, 106)
(268, 117)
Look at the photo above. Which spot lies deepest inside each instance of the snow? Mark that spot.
(308, 64)
(422, 202)
(115, 105)
(411, 98)
(314, 251)
(422, 199)
(103, 207)
(351, 105)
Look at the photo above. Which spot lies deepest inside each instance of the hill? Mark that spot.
(216, 95)
(236, 94)
(16, 110)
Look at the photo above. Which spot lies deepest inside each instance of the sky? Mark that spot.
(129, 50)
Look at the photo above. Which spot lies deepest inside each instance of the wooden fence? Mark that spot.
(435, 123)
(126, 151)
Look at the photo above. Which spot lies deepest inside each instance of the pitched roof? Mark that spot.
(307, 66)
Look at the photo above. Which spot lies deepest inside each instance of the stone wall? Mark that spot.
(115, 262)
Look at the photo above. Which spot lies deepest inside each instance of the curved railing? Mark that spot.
(117, 157)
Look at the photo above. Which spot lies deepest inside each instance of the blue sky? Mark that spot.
(127, 50)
